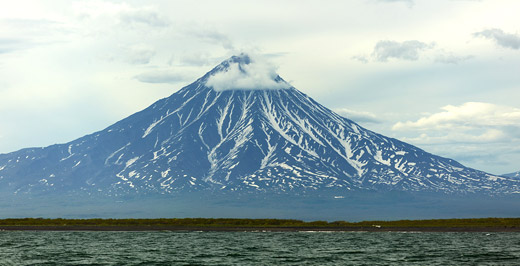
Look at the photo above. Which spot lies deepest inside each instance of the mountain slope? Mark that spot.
(515, 175)
(265, 140)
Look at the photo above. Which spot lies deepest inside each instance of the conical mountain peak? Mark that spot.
(242, 58)
(243, 72)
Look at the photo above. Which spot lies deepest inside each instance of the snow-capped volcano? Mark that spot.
(239, 128)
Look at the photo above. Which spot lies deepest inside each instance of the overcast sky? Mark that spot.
(443, 75)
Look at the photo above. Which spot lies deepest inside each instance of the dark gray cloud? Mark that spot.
(407, 50)
(501, 38)
(160, 77)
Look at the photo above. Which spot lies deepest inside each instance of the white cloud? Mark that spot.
(481, 135)
(470, 114)
(358, 116)
(471, 122)
(256, 74)
(506, 40)
(407, 50)
(486, 136)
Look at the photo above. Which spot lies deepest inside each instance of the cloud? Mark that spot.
(213, 36)
(195, 59)
(407, 50)
(470, 122)
(361, 58)
(385, 50)
(486, 136)
(467, 114)
(358, 116)
(121, 14)
(248, 74)
(140, 55)
(160, 77)
(506, 40)
(143, 16)
(450, 58)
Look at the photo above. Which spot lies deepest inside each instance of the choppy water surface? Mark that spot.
(258, 248)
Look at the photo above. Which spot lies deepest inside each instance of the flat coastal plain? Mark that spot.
(268, 225)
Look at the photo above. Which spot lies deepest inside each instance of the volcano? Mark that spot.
(270, 139)
(238, 130)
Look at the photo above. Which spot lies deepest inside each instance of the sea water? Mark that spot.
(258, 248)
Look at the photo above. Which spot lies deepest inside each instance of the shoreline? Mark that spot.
(257, 229)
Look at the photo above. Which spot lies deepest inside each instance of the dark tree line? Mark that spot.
(228, 222)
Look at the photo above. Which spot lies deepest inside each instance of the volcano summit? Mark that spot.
(240, 129)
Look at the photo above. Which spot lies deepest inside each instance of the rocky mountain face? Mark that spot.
(270, 140)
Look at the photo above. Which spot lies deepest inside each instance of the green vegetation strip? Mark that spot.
(274, 223)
